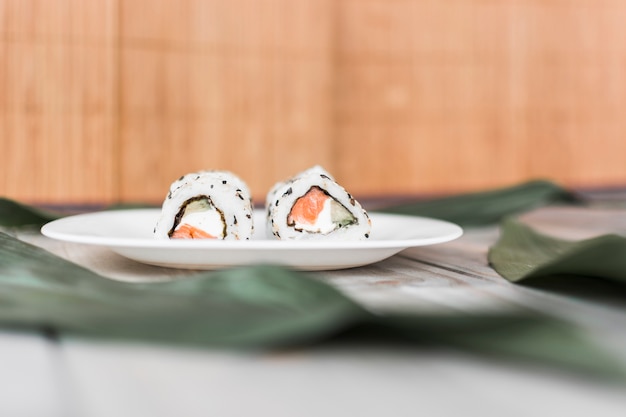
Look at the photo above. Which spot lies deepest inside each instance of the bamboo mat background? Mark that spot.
(111, 100)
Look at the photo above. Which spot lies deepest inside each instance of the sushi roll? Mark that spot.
(206, 205)
(312, 205)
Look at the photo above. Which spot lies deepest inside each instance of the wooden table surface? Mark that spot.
(43, 376)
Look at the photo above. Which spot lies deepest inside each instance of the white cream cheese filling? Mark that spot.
(203, 216)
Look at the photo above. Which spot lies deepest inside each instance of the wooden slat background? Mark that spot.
(110, 100)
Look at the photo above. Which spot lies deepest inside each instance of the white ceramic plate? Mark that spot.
(129, 233)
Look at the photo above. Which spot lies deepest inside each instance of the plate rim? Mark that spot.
(50, 230)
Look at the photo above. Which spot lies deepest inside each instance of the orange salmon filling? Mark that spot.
(186, 231)
(308, 207)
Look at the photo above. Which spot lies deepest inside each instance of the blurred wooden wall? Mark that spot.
(110, 100)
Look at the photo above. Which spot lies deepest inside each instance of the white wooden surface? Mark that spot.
(68, 377)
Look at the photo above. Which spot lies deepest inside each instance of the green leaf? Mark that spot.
(14, 214)
(489, 207)
(259, 306)
(593, 268)
(253, 306)
(517, 335)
